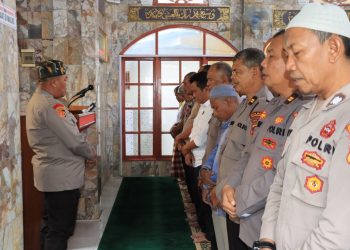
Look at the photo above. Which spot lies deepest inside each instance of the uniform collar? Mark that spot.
(261, 94)
(340, 96)
(206, 104)
(42, 92)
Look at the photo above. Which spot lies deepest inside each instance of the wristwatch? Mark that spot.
(263, 244)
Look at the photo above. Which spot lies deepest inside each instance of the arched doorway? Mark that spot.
(151, 67)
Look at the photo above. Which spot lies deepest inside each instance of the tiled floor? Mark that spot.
(88, 234)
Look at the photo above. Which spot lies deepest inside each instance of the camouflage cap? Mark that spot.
(51, 68)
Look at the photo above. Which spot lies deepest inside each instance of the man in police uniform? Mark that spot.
(247, 80)
(60, 154)
(307, 207)
(245, 198)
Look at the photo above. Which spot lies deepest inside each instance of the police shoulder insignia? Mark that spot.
(314, 184)
(60, 110)
(269, 143)
(291, 98)
(252, 100)
(313, 159)
(328, 129)
(336, 99)
(267, 162)
(279, 119)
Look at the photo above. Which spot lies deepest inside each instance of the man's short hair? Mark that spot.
(323, 36)
(200, 79)
(251, 57)
(224, 68)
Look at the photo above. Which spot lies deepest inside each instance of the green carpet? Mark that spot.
(147, 214)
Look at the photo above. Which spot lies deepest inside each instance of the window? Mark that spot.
(152, 66)
(180, 2)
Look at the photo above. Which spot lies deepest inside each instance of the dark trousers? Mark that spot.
(60, 212)
(234, 242)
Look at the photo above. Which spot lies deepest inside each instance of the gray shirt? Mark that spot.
(238, 136)
(259, 160)
(60, 149)
(307, 207)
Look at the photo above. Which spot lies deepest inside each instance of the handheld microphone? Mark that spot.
(82, 92)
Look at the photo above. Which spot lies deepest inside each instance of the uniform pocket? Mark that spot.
(310, 188)
(311, 168)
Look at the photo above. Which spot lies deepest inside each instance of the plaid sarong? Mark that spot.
(177, 166)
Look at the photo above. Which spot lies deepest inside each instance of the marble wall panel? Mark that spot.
(88, 28)
(34, 25)
(33, 5)
(47, 5)
(60, 23)
(21, 5)
(74, 79)
(60, 4)
(11, 222)
(74, 20)
(60, 49)
(73, 4)
(22, 24)
(74, 51)
(47, 52)
(47, 25)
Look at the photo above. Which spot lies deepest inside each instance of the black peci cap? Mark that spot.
(51, 68)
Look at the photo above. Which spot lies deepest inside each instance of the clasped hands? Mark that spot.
(229, 203)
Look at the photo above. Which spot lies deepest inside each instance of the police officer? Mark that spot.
(60, 153)
(261, 156)
(307, 207)
(247, 80)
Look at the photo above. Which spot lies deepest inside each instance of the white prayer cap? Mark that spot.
(322, 17)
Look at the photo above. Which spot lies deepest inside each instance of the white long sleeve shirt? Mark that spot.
(199, 132)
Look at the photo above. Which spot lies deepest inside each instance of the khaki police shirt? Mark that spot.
(60, 149)
(260, 159)
(213, 132)
(308, 204)
(238, 136)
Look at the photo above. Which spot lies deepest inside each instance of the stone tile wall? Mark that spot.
(11, 205)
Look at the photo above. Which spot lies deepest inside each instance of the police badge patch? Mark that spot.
(328, 129)
(267, 163)
(269, 143)
(60, 110)
(314, 184)
(279, 119)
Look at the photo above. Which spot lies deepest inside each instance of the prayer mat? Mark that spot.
(148, 214)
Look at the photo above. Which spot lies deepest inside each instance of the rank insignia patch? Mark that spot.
(269, 143)
(313, 159)
(267, 163)
(252, 100)
(60, 110)
(279, 119)
(336, 99)
(314, 184)
(328, 129)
